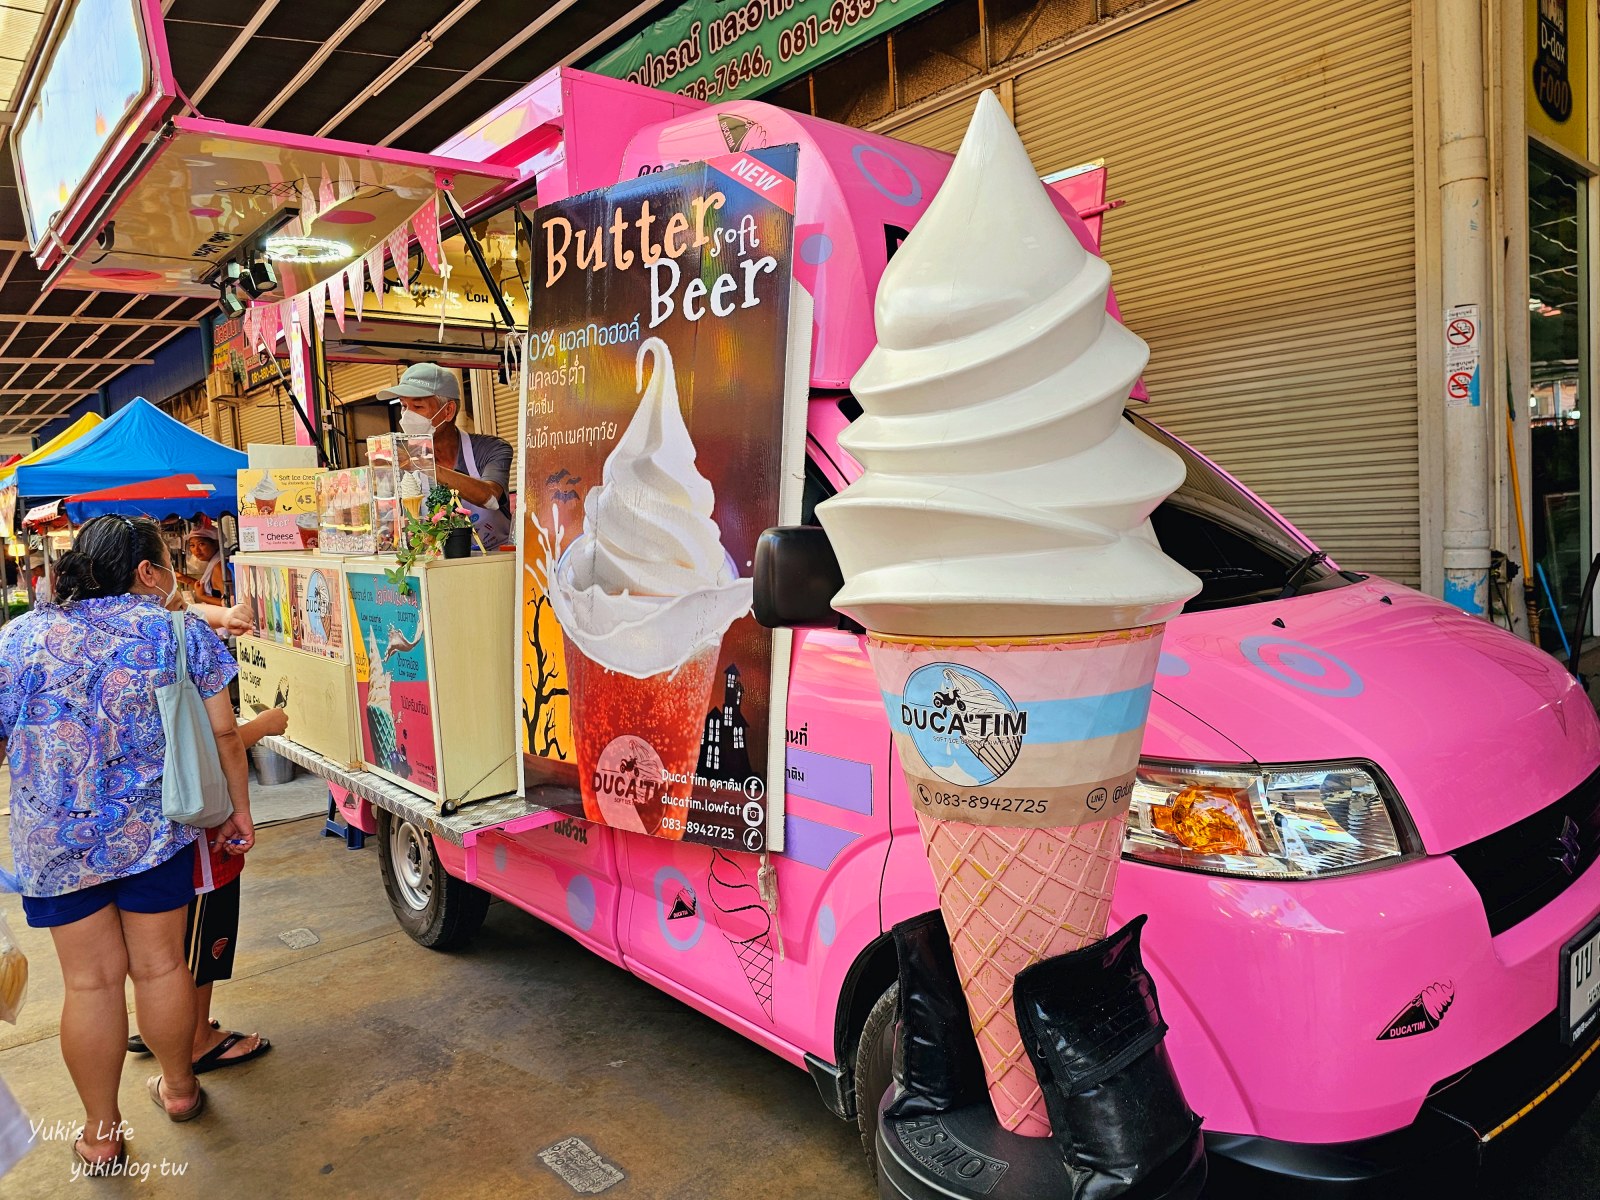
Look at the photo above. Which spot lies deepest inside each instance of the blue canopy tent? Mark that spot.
(138, 443)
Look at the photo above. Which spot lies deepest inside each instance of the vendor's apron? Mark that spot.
(493, 526)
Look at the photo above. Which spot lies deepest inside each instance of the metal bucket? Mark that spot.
(271, 768)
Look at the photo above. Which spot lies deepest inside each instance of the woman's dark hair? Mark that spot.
(105, 556)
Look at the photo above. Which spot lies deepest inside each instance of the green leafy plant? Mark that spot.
(423, 536)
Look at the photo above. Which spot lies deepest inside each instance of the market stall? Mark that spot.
(135, 445)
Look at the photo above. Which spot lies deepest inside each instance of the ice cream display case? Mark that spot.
(345, 511)
(403, 473)
(299, 658)
(435, 679)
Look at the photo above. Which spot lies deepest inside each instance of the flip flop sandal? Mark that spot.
(153, 1086)
(213, 1060)
(136, 1043)
(103, 1166)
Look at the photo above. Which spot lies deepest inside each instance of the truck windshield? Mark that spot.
(1237, 548)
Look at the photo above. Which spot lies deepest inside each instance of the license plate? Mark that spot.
(1580, 983)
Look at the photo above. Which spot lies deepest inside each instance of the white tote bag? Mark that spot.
(194, 791)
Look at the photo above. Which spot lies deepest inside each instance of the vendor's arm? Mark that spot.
(494, 465)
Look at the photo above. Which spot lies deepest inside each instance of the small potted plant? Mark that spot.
(444, 526)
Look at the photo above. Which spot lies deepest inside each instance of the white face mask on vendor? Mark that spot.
(414, 424)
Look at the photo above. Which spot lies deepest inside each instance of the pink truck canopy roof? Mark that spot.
(858, 193)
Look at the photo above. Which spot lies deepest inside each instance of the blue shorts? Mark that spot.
(156, 890)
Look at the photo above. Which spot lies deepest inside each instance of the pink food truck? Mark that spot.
(1366, 825)
(1365, 830)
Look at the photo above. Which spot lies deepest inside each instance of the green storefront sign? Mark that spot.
(719, 50)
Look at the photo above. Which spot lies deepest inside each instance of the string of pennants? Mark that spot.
(264, 321)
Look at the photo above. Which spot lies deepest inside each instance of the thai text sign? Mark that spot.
(652, 438)
(713, 50)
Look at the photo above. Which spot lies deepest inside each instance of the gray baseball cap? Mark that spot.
(422, 380)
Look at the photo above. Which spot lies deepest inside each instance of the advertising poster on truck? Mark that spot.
(653, 456)
(393, 695)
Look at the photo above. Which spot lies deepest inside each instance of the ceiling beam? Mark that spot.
(36, 361)
(409, 58)
(232, 52)
(13, 244)
(488, 64)
(314, 63)
(86, 319)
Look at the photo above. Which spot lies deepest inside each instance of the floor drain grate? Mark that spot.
(581, 1166)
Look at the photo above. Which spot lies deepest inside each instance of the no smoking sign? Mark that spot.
(1461, 357)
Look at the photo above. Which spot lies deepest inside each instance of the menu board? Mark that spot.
(294, 605)
(277, 509)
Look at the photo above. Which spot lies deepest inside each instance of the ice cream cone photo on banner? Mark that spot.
(997, 548)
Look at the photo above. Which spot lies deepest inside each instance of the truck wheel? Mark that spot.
(875, 1067)
(438, 910)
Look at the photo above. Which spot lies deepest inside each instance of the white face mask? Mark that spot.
(172, 592)
(414, 424)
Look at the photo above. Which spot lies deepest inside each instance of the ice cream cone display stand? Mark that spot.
(433, 657)
(998, 550)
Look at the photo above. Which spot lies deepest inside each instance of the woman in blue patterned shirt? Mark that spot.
(101, 867)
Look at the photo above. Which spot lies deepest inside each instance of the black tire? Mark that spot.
(438, 910)
(875, 1067)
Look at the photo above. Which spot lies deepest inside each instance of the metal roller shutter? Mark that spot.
(266, 418)
(941, 129)
(505, 426)
(360, 381)
(1267, 248)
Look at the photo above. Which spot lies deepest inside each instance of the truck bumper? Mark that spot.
(1500, 1113)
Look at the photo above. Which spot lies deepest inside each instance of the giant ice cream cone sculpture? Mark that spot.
(998, 549)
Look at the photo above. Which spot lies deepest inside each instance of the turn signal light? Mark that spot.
(1209, 820)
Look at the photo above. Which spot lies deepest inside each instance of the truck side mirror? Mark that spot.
(796, 579)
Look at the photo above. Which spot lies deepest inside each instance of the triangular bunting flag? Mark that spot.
(347, 183)
(319, 307)
(352, 281)
(252, 328)
(268, 329)
(426, 223)
(299, 321)
(399, 246)
(325, 197)
(336, 298)
(308, 206)
(375, 272)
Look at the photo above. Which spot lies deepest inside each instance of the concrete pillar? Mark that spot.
(1465, 246)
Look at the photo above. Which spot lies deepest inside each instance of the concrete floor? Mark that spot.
(400, 1072)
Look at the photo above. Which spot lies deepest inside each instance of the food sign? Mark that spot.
(653, 436)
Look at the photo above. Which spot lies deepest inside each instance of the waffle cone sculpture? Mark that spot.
(998, 549)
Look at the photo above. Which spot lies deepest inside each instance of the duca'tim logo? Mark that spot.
(965, 726)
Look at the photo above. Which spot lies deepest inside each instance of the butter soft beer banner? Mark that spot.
(652, 435)
(713, 50)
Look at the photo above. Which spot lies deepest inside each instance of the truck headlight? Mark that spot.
(1301, 821)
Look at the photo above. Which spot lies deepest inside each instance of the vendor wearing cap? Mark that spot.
(210, 584)
(477, 466)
